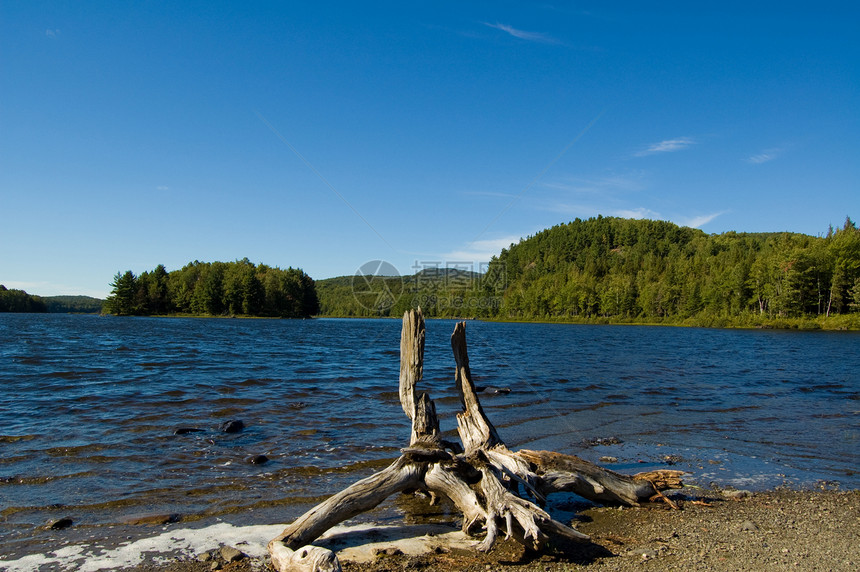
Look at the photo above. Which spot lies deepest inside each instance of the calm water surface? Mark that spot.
(90, 406)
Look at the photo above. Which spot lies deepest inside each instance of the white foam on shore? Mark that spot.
(165, 547)
(357, 543)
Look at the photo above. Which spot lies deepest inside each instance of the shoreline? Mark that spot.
(711, 530)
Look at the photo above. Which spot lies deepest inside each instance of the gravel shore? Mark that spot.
(777, 530)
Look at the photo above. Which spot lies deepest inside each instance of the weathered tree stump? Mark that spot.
(482, 478)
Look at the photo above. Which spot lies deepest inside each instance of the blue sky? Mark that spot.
(324, 135)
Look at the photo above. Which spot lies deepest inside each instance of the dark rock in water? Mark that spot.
(60, 523)
(258, 459)
(492, 390)
(186, 430)
(297, 405)
(232, 426)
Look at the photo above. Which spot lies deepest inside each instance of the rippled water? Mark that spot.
(90, 407)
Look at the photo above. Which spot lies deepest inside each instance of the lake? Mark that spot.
(91, 405)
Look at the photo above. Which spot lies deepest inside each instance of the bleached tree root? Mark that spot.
(482, 478)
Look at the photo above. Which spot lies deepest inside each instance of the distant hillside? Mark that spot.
(73, 304)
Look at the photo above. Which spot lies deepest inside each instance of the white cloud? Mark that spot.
(764, 156)
(667, 146)
(521, 34)
(52, 33)
(162, 188)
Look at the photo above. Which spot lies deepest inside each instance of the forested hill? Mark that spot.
(238, 288)
(623, 268)
(73, 304)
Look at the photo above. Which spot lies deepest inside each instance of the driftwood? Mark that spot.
(483, 478)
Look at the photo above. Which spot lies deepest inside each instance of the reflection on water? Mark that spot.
(91, 408)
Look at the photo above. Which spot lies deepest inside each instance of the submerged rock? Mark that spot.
(258, 459)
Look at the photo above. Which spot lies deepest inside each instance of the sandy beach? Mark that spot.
(711, 530)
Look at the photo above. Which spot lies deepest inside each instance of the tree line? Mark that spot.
(622, 268)
(238, 288)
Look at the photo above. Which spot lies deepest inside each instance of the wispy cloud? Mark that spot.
(609, 184)
(764, 156)
(480, 251)
(522, 34)
(667, 146)
(162, 188)
(638, 213)
(590, 210)
(45, 288)
(701, 220)
(492, 194)
(52, 33)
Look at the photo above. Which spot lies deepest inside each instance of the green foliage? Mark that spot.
(20, 301)
(238, 288)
